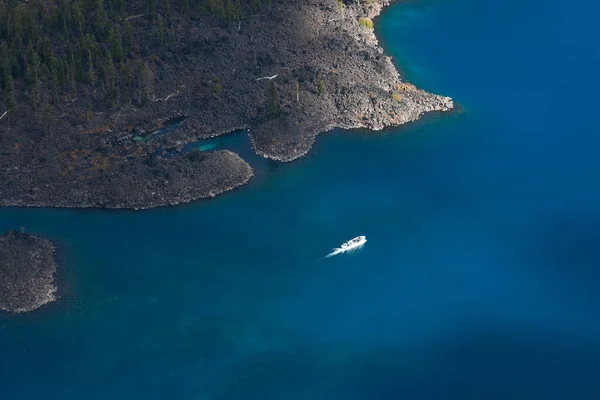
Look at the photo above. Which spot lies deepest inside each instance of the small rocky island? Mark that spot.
(27, 268)
(87, 123)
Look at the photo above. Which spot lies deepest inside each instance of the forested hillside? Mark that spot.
(54, 53)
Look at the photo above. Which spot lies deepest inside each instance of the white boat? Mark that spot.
(354, 243)
(348, 246)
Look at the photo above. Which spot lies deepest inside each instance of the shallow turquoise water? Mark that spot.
(480, 278)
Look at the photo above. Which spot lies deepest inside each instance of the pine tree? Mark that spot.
(88, 108)
(160, 30)
(167, 8)
(272, 100)
(70, 82)
(233, 10)
(9, 93)
(53, 72)
(72, 74)
(115, 43)
(216, 7)
(47, 118)
(17, 28)
(4, 63)
(100, 15)
(32, 73)
(126, 83)
(143, 82)
(255, 5)
(91, 73)
(152, 8)
(109, 92)
(7, 79)
(77, 15)
(128, 38)
(184, 7)
(62, 75)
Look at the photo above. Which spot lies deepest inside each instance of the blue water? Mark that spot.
(480, 279)
(237, 141)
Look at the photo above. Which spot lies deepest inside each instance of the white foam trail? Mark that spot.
(335, 252)
(339, 250)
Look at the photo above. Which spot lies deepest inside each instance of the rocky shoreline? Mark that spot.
(141, 183)
(330, 72)
(27, 268)
(365, 89)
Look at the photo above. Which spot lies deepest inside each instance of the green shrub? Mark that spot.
(366, 22)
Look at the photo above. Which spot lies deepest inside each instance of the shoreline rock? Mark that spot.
(27, 269)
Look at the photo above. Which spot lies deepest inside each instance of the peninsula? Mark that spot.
(27, 268)
(90, 88)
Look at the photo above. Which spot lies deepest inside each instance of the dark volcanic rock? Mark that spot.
(27, 268)
(135, 183)
(330, 72)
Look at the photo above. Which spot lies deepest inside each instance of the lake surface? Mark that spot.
(480, 278)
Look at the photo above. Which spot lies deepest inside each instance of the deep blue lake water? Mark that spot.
(480, 279)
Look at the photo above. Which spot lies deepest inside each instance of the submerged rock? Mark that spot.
(27, 268)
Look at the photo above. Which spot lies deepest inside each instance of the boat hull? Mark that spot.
(355, 245)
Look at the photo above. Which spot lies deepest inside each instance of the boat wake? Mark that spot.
(339, 250)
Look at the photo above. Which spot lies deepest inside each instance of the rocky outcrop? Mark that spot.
(27, 268)
(349, 82)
